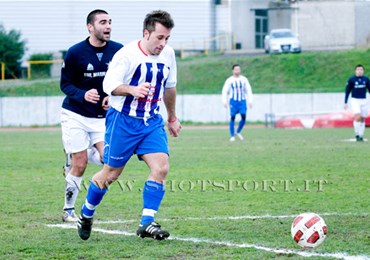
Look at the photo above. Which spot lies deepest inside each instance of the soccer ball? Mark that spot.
(308, 230)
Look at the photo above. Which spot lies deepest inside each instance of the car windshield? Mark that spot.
(284, 34)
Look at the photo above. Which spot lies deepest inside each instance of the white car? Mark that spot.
(282, 41)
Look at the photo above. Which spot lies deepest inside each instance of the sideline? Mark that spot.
(337, 255)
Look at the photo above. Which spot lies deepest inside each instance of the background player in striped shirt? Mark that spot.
(358, 85)
(84, 107)
(140, 76)
(236, 93)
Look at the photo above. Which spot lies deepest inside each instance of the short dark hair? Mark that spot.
(235, 65)
(158, 16)
(91, 16)
(360, 66)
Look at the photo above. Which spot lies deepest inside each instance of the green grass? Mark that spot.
(291, 73)
(32, 88)
(303, 73)
(32, 196)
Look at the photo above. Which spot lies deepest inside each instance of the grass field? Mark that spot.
(224, 200)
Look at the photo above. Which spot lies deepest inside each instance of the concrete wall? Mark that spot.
(242, 17)
(279, 15)
(41, 111)
(362, 32)
(326, 24)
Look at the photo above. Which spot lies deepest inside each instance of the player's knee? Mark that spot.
(159, 172)
(79, 166)
(106, 176)
(243, 116)
(111, 178)
(232, 118)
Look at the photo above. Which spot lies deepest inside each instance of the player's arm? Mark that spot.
(66, 80)
(347, 92)
(249, 94)
(140, 91)
(225, 93)
(169, 99)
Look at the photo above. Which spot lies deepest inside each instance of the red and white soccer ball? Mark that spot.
(308, 230)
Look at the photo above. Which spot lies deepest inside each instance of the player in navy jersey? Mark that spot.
(140, 76)
(84, 107)
(236, 93)
(358, 86)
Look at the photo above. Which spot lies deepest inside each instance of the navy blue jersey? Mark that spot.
(358, 86)
(83, 69)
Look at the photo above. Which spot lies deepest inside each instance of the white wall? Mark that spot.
(326, 23)
(52, 26)
(41, 111)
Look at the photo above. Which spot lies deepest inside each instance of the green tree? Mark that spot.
(11, 51)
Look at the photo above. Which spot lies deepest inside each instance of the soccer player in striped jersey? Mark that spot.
(358, 85)
(84, 107)
(236, 93)
(140, 76)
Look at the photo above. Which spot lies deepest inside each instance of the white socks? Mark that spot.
(93, 156)
(359, 128)
(71, 191)
(73, 183)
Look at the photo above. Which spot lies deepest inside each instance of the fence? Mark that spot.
(30, 62)
(2, 70)
(219, 43)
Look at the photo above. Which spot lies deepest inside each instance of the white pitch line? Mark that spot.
(352, 140)
(224, 218)
(344, 256)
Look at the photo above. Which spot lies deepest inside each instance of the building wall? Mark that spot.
(362, 31)
(41, 111)
(280, 16)
(318, 23)
(52, 26)
(327, 24)
(243, 20)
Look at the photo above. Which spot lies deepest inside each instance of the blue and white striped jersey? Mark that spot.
(132, 66)
(237, 89)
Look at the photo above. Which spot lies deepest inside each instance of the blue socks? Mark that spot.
(231, 127)
(152, 197)
(240, 126)
(93, 198)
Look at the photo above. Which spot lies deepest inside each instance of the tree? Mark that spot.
(11, 51)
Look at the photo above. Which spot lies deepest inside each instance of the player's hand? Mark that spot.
(92, 96)
(225, 105)
(345, 106)
(141, 90)
(105, 103)
(250, 105)
(174, 128)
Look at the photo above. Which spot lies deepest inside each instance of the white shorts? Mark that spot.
(359, 106)
(80, 133)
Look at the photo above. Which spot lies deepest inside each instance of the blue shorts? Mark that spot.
(238, 107)
(126, 135)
